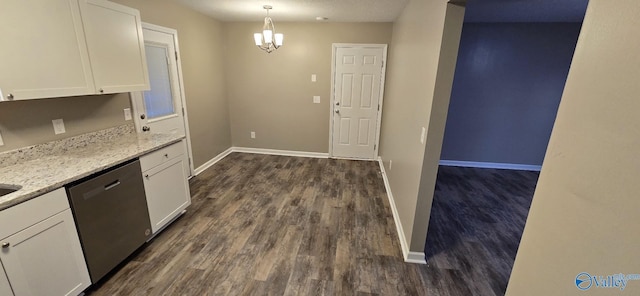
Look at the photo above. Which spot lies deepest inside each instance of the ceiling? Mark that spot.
(387, 10)
(301, 10)
(507, 11)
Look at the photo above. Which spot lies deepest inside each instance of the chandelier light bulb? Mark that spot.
(258, 38)
(279, 38)
(268, 36)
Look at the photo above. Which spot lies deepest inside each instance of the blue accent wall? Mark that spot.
(507, 87)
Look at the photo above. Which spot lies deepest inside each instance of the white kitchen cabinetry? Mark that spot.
(59, 48)
(5, 288)
(43, 52)
(116, 46)
(165, 184)
(40, 250)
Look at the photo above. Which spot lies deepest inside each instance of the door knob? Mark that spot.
(142, 116)
(5, 245)
(146, 128)
(337, 111)
(337, 103)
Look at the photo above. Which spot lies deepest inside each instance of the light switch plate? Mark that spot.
(58, 126)
(127, 113)
(1, 141)
(253, 135)
(316, 99)
(423, 135)
(313, 78)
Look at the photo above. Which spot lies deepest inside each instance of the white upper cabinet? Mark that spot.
(59, 48)
(116, 46)
(43, 52)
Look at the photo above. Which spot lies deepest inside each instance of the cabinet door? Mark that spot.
(116, 46)
(46, 258)
(167, 191)
(5, 288)
(43, 52)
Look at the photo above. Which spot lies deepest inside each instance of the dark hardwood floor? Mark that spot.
(275, 225)
(476, 223)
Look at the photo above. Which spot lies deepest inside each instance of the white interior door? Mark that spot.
(358, 81)
(161, 109)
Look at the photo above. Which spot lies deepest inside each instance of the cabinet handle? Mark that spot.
(146, 176)
(10, 96)
(5, 245)
(166, 155)
(101, 90)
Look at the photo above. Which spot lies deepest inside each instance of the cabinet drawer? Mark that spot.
(21, 216)
(161, 156)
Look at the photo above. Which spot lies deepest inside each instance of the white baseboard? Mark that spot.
(213, 161)
(410, 257)
(224, 154)
(491, 165)
(280, 152)
(416, 257)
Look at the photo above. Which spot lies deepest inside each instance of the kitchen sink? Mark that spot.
(6, 189)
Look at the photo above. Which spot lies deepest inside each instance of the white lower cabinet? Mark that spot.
(5, 287)
(165, 184)
(44, 258)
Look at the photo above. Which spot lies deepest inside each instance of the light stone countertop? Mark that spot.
(43, 168)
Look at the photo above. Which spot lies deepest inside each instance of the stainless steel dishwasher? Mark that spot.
(110, 209)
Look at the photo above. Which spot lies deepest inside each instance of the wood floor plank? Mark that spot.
(277, 225)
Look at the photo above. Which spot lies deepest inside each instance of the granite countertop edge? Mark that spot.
(37, 176)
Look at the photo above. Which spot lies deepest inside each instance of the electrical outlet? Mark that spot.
(316, 99)
(423, 135)
(390, 164)
(313, 78)
(1, 141)
(127, 113)
(253, 135)
(58, 126)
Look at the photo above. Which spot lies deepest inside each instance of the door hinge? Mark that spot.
(374, 146)
(378, 107)
(182, 111)
(382, 64)
(176, 55)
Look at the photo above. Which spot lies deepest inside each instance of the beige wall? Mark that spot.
(26, 123)
(201, 48)
(437, 122)
(271, 94)
(409, 103)
(585, 211)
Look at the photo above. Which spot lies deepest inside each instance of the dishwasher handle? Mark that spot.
(112, 185)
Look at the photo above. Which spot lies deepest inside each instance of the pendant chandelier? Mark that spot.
(268, 40)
